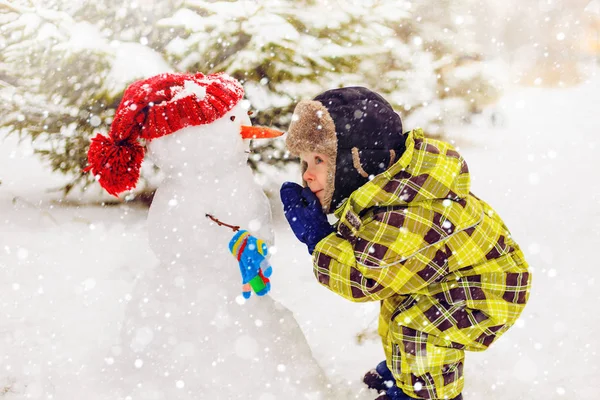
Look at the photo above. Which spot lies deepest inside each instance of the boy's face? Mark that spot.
(316, 172)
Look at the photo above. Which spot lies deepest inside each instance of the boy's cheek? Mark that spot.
(320, 196)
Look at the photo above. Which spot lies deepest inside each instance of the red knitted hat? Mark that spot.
(152, 108)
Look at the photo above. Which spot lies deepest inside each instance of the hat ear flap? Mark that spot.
(372, 162)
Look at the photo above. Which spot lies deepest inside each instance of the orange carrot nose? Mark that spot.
(259, 132)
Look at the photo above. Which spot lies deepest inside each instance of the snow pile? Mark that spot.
(63, 292)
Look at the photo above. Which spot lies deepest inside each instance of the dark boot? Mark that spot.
(373, 380)
(380, 378)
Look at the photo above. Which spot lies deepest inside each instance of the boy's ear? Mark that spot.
(372, 162)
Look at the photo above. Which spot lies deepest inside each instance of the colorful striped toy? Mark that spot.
(251, 254)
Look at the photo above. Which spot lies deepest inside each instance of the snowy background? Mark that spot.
(67, 270)
(69, 266)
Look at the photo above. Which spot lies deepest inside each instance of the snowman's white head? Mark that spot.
(219, 147)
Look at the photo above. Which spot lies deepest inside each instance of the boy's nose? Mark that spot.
(308, 176)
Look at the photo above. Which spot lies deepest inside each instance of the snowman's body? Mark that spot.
(187, 334)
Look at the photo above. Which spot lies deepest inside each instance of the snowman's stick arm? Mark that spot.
(234, 228)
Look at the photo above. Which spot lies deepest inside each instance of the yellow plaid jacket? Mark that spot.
(447, 271)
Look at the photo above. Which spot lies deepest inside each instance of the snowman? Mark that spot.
(188, 333)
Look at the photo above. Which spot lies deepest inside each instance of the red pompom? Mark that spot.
(116, 164)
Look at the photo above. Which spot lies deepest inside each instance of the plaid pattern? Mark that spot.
(444, 265)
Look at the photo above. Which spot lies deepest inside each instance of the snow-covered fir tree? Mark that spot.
(63, 73)
(64, 66)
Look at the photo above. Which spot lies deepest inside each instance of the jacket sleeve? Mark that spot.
(368, 264)
(335, 266)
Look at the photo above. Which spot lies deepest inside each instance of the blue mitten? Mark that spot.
(305, 215)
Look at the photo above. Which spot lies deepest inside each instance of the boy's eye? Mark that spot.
(318, 160)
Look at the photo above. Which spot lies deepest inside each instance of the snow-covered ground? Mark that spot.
(67, 270)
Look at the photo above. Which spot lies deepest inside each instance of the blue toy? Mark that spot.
(251, 254)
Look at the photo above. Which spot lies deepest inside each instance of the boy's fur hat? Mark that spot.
(354, 127)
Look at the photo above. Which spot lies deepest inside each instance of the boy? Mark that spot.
(448, 274)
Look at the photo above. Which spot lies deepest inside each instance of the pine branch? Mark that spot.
(48, 15)
(5, 5)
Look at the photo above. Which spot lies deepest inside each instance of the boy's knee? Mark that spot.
(383, 370)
